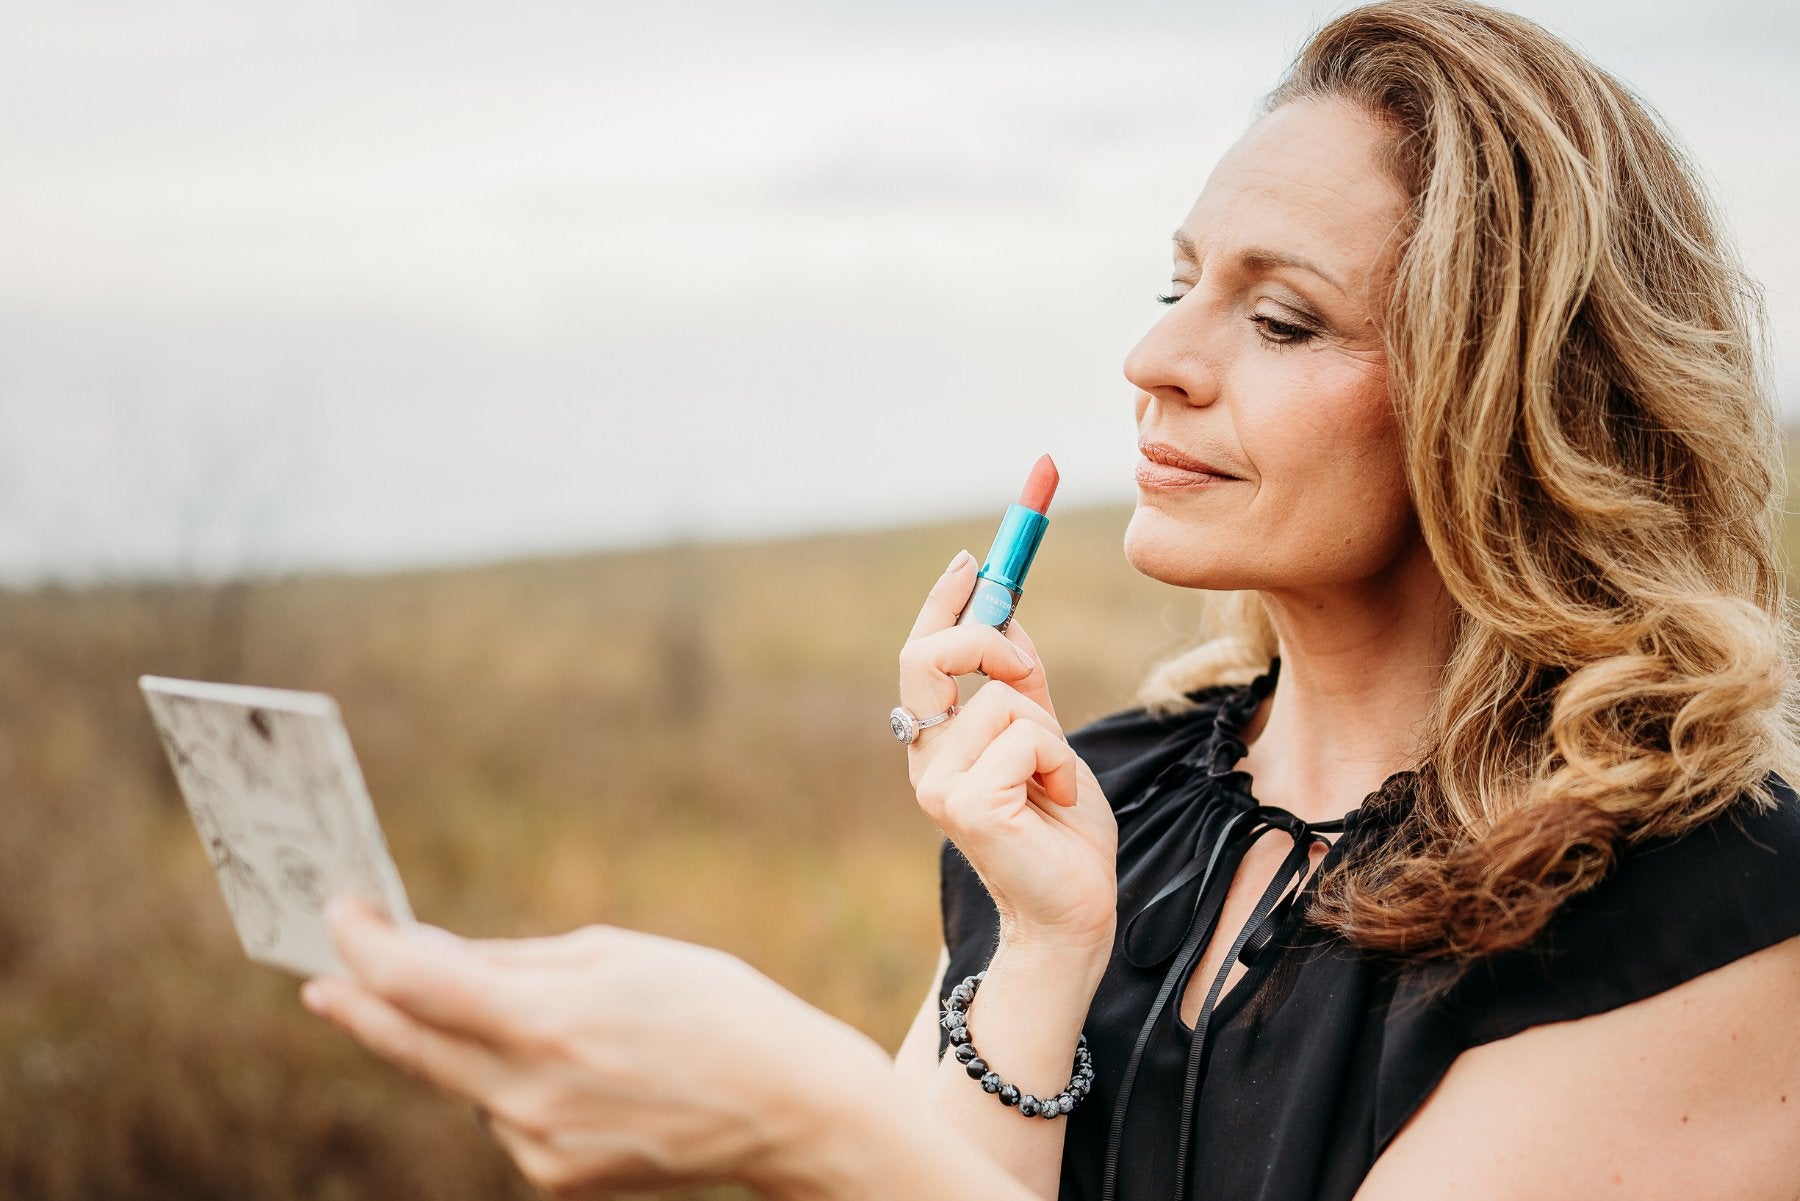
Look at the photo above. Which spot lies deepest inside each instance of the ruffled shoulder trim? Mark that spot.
(1131, 749)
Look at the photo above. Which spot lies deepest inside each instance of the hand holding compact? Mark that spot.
(1000, 779)
(604, 1059)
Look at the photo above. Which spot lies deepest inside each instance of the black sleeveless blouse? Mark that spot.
(1292, 1083)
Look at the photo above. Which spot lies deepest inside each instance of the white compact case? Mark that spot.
(276, 794)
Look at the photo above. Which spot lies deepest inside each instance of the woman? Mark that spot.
(1459, 862)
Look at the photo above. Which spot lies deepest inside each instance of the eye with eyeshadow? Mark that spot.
(1280, 333)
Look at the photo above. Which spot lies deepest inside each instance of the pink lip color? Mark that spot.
(1162, 477)
(1166, 468)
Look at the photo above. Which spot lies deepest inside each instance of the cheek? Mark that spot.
(1332, 488)
(1329, 503)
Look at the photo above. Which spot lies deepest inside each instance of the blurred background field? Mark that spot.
(689, 740)
(300, 303)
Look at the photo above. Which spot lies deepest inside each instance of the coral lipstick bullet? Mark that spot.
(1001, 580)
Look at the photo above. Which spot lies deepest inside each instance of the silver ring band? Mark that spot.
(906, 727)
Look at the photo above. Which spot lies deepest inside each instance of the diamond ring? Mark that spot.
(906, 727)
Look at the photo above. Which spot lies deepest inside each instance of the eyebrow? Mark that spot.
(1260, 258)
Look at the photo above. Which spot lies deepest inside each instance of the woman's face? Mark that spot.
(1268, 369)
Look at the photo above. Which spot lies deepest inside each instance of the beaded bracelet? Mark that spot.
(956, 1021)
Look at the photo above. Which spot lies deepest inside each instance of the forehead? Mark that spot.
(1306, 180)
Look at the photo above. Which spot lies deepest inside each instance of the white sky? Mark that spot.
(373, 284)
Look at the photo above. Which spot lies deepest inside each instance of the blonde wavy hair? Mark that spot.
(1573, 353)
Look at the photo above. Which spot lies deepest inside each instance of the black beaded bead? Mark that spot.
(977, 1068)
(959, 1036)
(964, 1052)
(990, 1083)
(1009, 1094)
(1030, 1106)
(955, 1018)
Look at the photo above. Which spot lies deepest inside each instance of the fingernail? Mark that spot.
(1024, 656)
(962, 558)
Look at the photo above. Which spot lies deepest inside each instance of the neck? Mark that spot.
(1360, 671)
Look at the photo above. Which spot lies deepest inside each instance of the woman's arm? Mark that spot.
(1012, 1025)
(877, 1152)
(1693, 1092)
(607, 1060)
(1002, 782)
(917, 1059)
(1024, 1021)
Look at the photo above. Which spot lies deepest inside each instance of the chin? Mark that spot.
(1174, 552)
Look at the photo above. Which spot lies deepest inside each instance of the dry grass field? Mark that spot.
(690, 740)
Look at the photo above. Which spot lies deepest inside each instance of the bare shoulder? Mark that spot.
(1693, 1092)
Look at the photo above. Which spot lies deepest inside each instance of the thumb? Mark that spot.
(1034, 683)
(431, 977)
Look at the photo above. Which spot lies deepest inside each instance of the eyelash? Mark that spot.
(1288, 334)
(1293, 333)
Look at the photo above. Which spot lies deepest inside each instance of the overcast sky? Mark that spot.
(361, 285)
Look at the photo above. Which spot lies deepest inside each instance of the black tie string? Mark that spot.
(1215, 872)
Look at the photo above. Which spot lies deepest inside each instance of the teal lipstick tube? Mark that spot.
(1001, 580)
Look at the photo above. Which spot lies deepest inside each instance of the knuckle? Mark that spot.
(717, 959)
(1020, 730)
(541, 1035)
(914, 652)
(595, 939)
(405, 1045)
(932, 794)
(528, 1112)
(553, 1174)
(966, 809)
(956, 810)
(994, 694)
(384, 977)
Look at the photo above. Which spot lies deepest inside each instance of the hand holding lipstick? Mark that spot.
(1000, 779)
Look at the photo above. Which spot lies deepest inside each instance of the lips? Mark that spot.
(1165, 467)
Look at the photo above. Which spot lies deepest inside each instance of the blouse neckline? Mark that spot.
(1223, 748)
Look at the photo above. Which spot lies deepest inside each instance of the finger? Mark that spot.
(599, 1162)
(993, 708)
(1034, 683)
(947, 596)
(454, 1064)
(577, 948)
(929, 665)
(428, 976)
(528, 1149)
(1025, 751)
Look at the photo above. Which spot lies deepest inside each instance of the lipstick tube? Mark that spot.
(1001, 581)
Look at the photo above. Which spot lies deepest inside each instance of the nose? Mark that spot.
(1171, 362)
